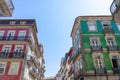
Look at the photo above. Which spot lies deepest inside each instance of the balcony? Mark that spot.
(6, 7)
(4, 54)
(116, 71)
(79, 72)
(17, 38)
(30, 60)
(100, 71)
(11, 55)
(33, 71)
(112, 48)
(76, 53)
(96, 48)
(18, 54)
(108, 30)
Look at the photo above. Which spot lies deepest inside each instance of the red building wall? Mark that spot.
(11, 77)
(6, 76)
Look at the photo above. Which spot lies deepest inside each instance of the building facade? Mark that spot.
(6, 8)
(21, 55)
(96, 48)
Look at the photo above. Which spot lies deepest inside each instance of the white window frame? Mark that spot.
(12, 68)
(99, 61)
(1, 34)
(24, 31)
(103, 22)
(4, 67)
(91, 39)
(10, 32)
(6, 46)
(92, 26)
(114, 42)
(18, 46)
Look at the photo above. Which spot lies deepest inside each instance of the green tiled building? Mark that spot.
(96, 48)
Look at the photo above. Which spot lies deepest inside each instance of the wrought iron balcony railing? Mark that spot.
(4, 54)
(11, 55)
(100, 70)
(96, 48)
(116, 71)
(112, 48)
(108, 30)
(20, 38)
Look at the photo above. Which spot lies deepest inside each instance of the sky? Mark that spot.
(55, 19)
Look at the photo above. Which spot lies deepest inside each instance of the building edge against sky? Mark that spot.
(6, 8)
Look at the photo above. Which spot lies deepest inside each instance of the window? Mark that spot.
(94, 41)
(2, 68)
(114, 61)
(18, 50)
(14, 68)
(1, 35)
(22, 35)
(106, 25)
(118, 25)
(110, 41)
(6, 50)
(92, 26)
(99, 62)
(10, 35)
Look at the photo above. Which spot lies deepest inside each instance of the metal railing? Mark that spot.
(112, 48)
(12, 55)
(96, 48)
(20, 38)
(116, 71)
(108, 30)
(100, 70)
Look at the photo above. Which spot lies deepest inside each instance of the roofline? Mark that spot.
(77, 19)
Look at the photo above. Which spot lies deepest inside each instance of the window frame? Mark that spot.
(103, 22)
(97, 38)
(91, 24)
(4, 67)
(17, 64)
(114, 41)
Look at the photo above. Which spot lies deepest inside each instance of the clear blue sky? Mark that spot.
(55, 20)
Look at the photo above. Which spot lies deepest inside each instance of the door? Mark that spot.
(22, 35)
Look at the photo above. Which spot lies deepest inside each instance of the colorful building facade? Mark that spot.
(6, 8)
(115, 10)
(96, 48)
(21, 55)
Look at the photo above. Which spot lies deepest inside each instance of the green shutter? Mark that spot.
(84, 27)
(103, 42)
(107, 61)
(88, 61)
(99, 26)
(117, 38)
(86, 41)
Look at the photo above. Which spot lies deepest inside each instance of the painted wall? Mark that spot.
(11, 77)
